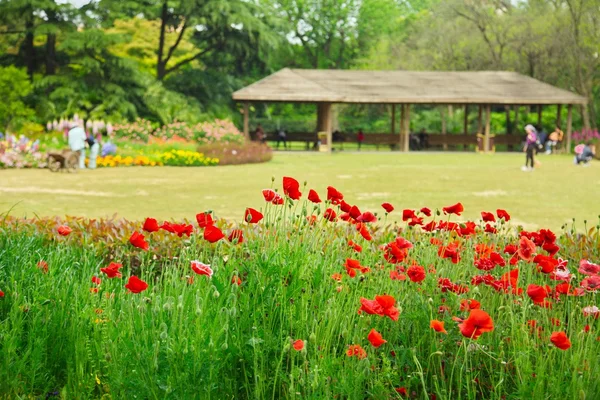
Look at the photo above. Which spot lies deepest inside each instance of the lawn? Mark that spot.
(548, 197)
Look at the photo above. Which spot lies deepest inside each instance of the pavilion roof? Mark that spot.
(414, 87)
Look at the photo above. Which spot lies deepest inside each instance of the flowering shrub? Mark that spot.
(139, 130)
(303, 298)
(186, 158)
(586, 135)
(205, 132)
(118, 161)
(21, 153)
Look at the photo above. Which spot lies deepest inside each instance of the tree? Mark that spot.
(14, 87)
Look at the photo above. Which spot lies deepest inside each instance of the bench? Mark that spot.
(435, 140)
(310, 139)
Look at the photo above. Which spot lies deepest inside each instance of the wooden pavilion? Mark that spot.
(405, 88)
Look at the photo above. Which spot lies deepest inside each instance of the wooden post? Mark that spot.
(444, 126)
(558, 115)
(466, 122)
(393, 127)
(569, 123)
(402, 118)
(539, 122)
(479, 118)
(509, 127)
(407, 128)
(246, 120)
(486, 140)
(516, 123)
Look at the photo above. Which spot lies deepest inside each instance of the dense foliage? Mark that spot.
(302, 299)
(176, 60)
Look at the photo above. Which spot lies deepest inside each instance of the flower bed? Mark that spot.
(303, 298)
(21, 153)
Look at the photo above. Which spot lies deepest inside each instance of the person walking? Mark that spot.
(94, 143)
(281, 137)
(554, 138)
(77, 140)
(360, 138)
(530, 147)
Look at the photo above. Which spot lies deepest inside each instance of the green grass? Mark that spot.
(548, 197)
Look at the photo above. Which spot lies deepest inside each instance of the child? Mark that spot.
(530, 147)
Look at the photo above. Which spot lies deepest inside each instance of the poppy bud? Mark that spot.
(216, 293)
(437, 212)
(164, 336)
(168, 306)
(224, 346)
(233, 311)
(198, 311)
(272, 179)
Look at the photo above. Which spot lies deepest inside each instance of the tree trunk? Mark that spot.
(28, 45)
(161, 65)
(51, 54)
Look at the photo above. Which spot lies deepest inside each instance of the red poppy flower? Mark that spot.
(354, 212)
(64, 230)
(526, 249)
(397, 276)
(488, 217)
(313, 196)
(96, 280)
(213, 234)
(591, 283)
(298, 345)
(204, 220)
(137, 240)
(355, 350)
(367, 217)
(426, 211)
(329, 215)
(408, 214)
(112, 271)
(551, 248)
(375, 338)
(451, 251)
(236, 234)
(454, 209)
(334, 195)
(588, 268)
(470, 304)
(478, 322)
(502, 214)
(278, 200)
(387, 207)
(497, 259)
(291, 188)
(337, 277)
(382, 305)
(179, 229)
(560, 340)
(236, 280)
(429, 227)
(364, 231)
(201, 268)
(537, 293)
(252, 216)
(415, 221)
(416, 273)
(269, 194)
(136, 285)
(490, 229)
(511, 249)
(150, 225)
(437, 326)
(402, 391)
(1, 294)
(345, 207)
(562, 288)
(355, 246)
(43, 265)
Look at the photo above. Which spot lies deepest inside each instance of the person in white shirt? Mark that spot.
(76, 137)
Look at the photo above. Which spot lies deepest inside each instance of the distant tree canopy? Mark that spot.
(168, 60)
